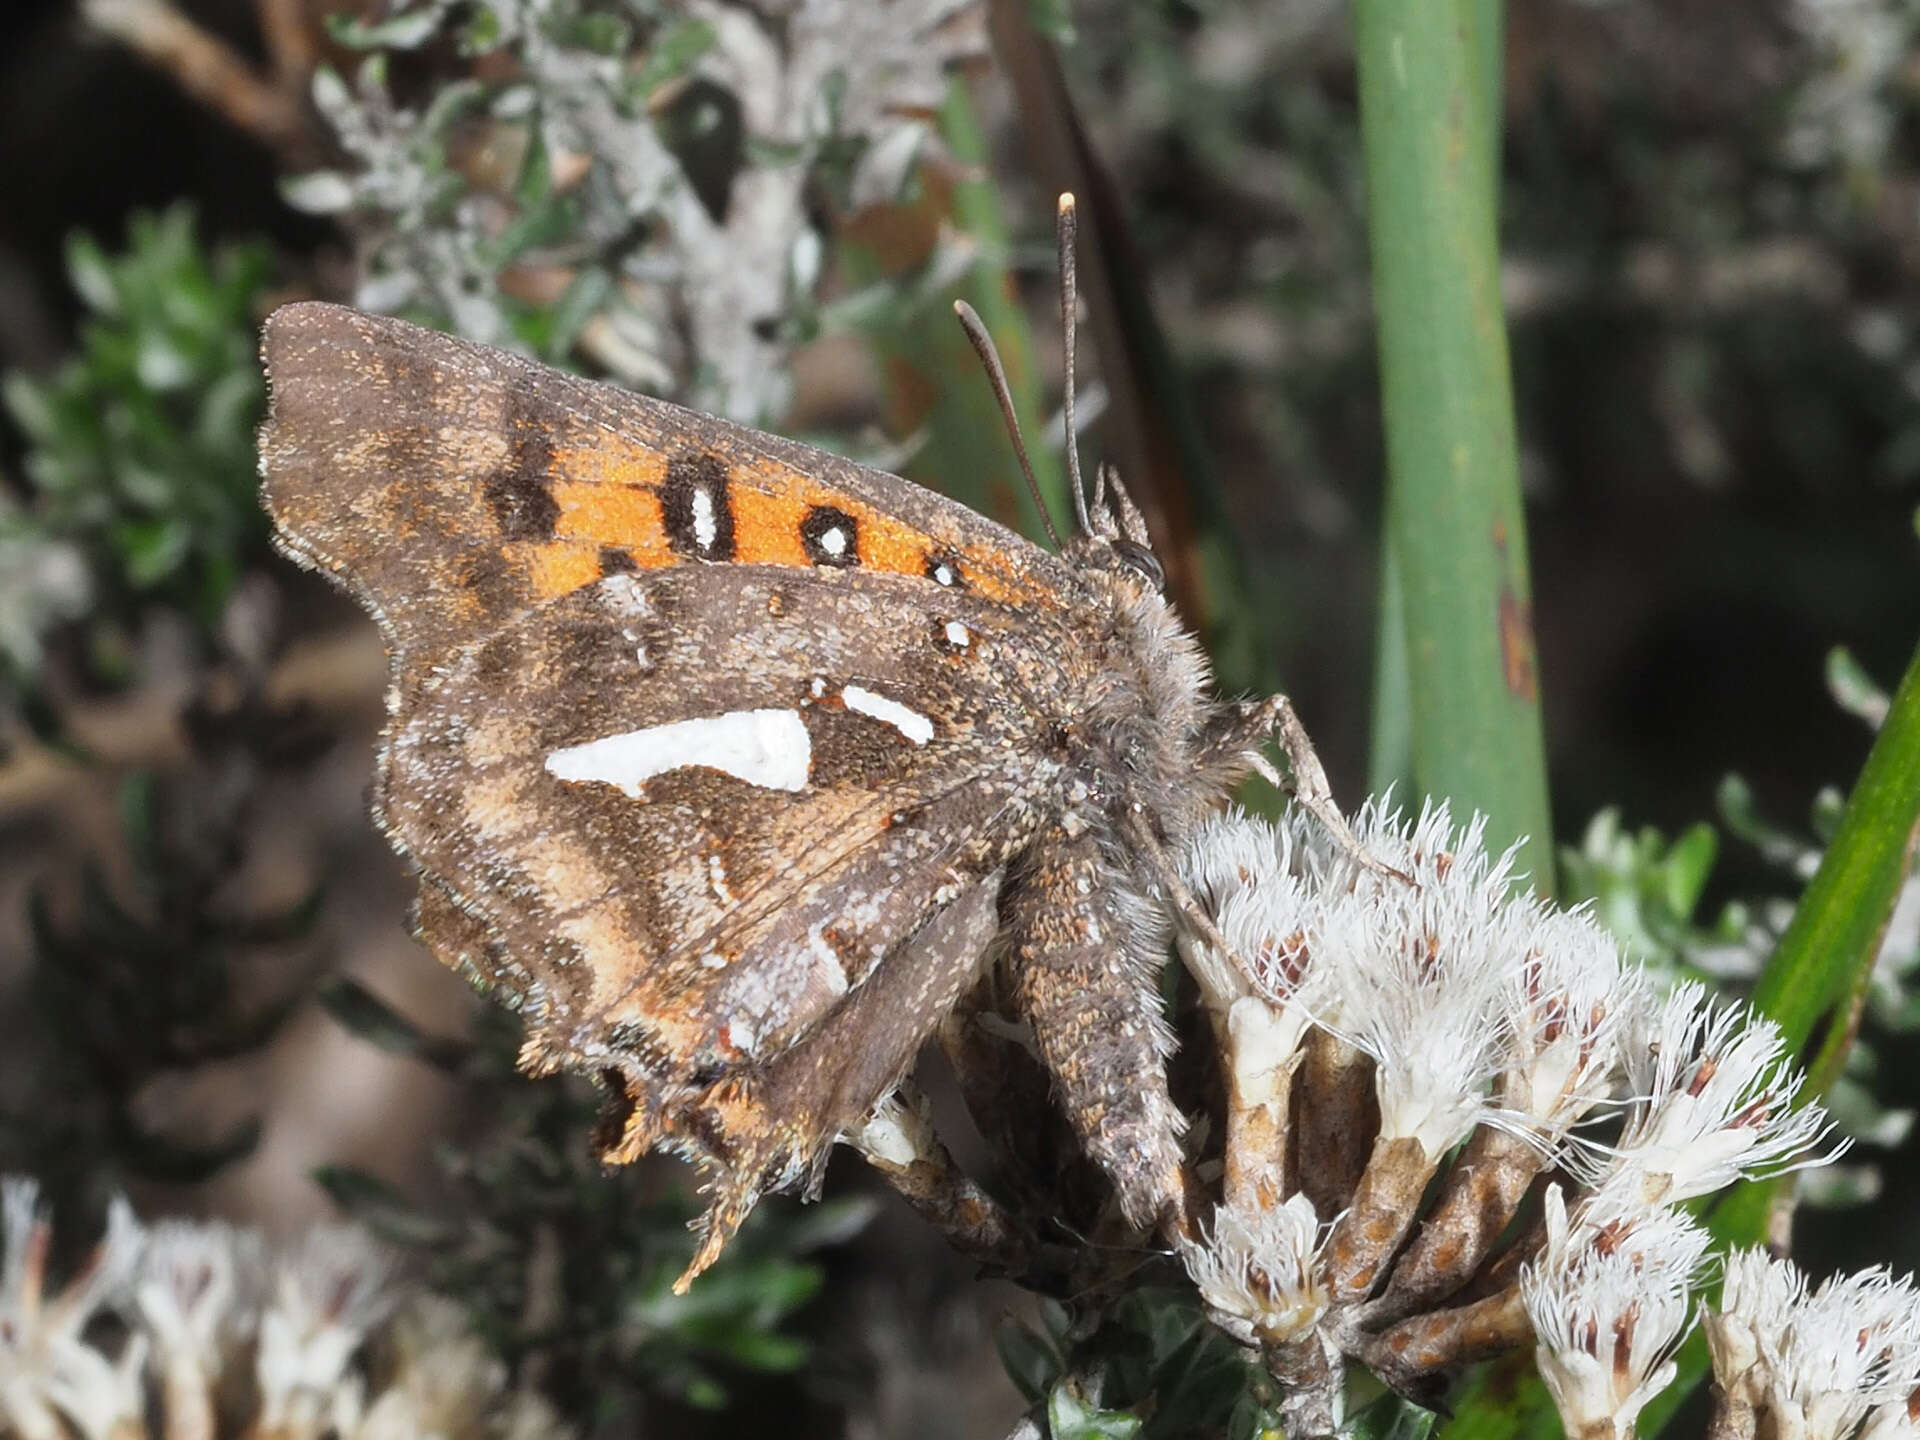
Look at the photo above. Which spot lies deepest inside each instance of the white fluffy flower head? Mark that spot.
(1419, 967)
(325, 1298)
(1829, 1354)
(1608, 1298)
(1712, 1102)
(198, 1291)
(48, 1372)
(1265, 885)
(1258, 1271)
(1568, 998)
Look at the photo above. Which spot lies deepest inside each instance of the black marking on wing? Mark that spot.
(688, 476)
(943, 568)
(831, 537)
(521, 490)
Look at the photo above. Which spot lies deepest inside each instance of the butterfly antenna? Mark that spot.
(1069, 230)
(997, 377)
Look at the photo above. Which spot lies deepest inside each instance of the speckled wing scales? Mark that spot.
(712, 748)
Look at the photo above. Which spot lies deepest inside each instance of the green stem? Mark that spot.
(1819, 971)
(1816, 979)
(1390, 753)
(1455, 523)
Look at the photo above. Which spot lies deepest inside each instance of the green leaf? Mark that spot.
(828, 1224)
(152, 549)
(370, 1018)
(758, 1350)
(704, 1393)
(161, 362)
(598, 31)
(406, 31)
(1052, 19)
(31, 406)
(1031, 1362)
(582, 301)
(482, 32)
(165, 1162)
(1391, 1418)
(1853, 689)
(318, 192)
(138, 824)
(1820, 969)
(542, 225)
(534, 184)
(1689, 865)
(91, 276)
(379, 1206)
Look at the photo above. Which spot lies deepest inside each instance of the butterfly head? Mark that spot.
(1113, 532)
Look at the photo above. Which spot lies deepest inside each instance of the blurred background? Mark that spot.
(1711, 231)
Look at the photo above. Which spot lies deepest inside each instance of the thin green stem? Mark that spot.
(1816, 979)
(1455, 524)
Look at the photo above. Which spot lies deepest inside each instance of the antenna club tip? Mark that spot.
(1066, 202)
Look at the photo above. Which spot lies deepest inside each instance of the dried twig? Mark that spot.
(270, 107)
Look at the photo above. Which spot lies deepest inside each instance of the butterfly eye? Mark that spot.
(1143, 560)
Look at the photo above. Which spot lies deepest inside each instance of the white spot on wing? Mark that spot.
(957, 635)
(717, 878)
(826, 963)
(910, 723)
(705, 529)
(943, 574)
(833, 540)
(768, 748)
(625, 595)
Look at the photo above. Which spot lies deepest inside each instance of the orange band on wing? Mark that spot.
(609, 515)
(627, 516)
(560, 567)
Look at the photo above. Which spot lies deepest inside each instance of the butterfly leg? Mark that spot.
(1244, 728)
(1086, 951)
(1160, 865)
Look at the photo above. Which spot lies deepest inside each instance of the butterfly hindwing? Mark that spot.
(587, 781)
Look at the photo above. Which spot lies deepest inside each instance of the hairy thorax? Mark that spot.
(1144, 705)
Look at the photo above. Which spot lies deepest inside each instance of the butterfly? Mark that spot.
(730, 763)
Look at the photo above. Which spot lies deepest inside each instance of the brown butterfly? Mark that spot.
(729, 763)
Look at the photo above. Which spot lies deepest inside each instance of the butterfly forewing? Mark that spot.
(546, 557)
(453, 486)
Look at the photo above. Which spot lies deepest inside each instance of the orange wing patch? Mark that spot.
(614, 507)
